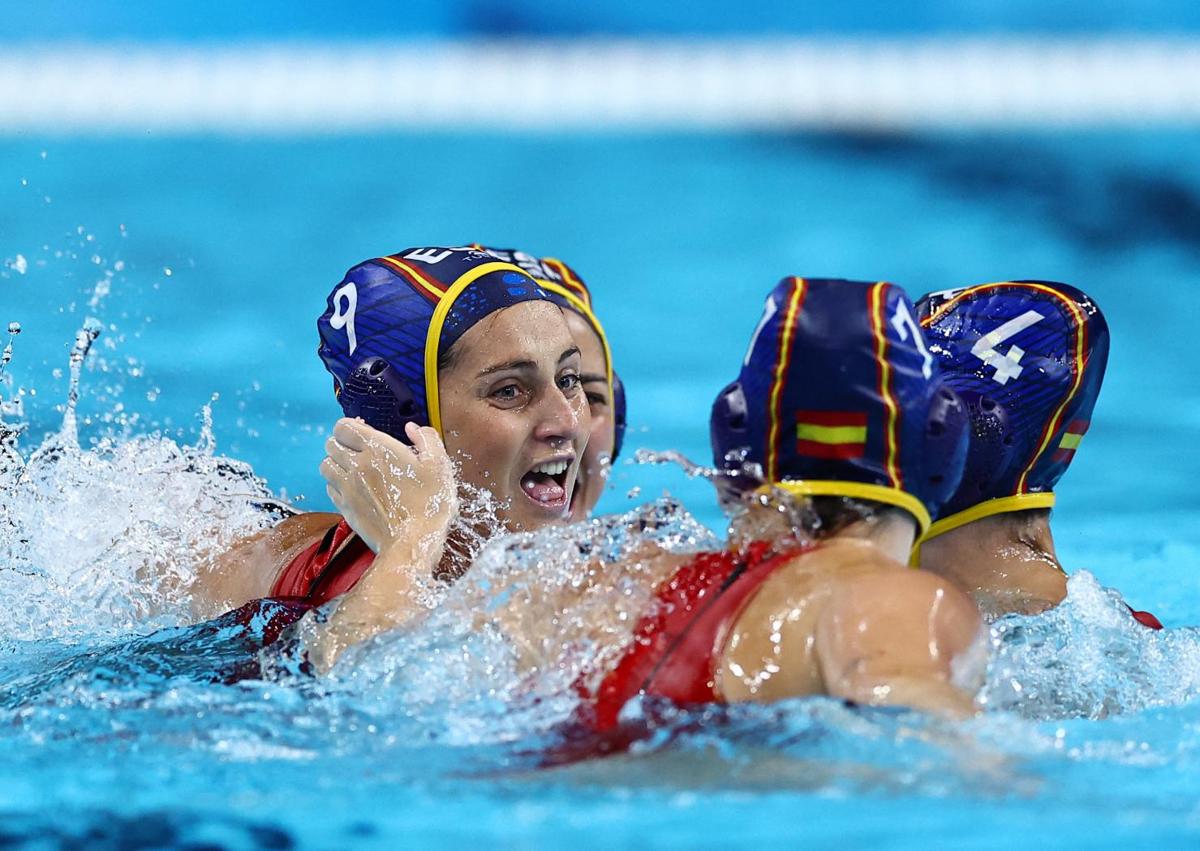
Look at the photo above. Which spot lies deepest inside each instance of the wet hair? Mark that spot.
(823, 516)
(835, 513)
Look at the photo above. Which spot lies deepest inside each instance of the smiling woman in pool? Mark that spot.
(457, 342)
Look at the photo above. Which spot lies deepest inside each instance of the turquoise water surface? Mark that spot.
(213, 258)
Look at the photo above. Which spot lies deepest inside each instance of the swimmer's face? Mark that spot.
(514, 413)
(593, 472)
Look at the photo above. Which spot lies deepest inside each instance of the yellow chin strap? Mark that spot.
(858, 490)
(987, 508)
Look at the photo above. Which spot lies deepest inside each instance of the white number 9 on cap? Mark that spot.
(345, 300)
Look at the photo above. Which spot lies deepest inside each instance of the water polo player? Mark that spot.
(1028, 359)
(601, 384)
(854, 442)
(839, 441)
(425, 345)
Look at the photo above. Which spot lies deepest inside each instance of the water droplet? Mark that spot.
(19, 264)
(168, 271)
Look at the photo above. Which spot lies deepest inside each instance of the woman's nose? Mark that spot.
(558, 418)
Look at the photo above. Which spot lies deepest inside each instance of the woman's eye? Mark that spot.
(568, 382)
(507, 393)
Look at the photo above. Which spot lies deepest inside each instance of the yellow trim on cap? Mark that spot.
(585, 311)
(858, 490)
(434, 334)
(987, 508)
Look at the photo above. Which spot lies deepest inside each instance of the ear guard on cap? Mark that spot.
(730, 436)
(947, 436)
(376, 393)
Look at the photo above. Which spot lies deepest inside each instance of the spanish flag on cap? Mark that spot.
(839, 396)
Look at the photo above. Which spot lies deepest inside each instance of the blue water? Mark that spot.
(219, 253)
(50, 20)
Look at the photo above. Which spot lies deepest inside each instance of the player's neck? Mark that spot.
(890, 531)
(1007, 562)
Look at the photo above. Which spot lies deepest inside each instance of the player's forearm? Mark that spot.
(385, 598)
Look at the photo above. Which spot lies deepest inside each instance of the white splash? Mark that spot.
(505, 650)
(104, 540)
(1088, 658)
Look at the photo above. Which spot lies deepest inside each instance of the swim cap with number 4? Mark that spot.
(1028, 359)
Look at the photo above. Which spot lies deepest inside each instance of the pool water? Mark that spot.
(205, 261)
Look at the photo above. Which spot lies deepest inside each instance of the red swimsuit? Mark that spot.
(327, 568)
(677, 644)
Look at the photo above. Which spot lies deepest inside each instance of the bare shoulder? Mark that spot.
(890, 594)
(247, 570)
(294, 533)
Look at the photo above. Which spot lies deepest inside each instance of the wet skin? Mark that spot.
(511, 399)
(593, 471)
(847, 618)
(511, 403)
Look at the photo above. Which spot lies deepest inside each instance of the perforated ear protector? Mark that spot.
(376, 393)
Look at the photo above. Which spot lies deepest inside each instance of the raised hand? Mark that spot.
(391, 493)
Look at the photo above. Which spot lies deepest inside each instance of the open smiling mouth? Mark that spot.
(546, 483)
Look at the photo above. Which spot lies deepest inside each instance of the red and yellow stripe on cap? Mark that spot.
(1070, 440)
(1078, 363)
(878, 299)
(569, 281)
(427, 286)
(836, 435)
(787, 331)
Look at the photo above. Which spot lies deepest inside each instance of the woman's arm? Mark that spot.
(401, 500)
(248, 569)
(897, 637)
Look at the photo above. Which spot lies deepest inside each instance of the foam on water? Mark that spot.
(505, 650)
(1088, 658)
(104, 540)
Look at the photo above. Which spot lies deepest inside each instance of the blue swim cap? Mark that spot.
(569, 290)
(1028, 359)
(839, 396)
(390, 319)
